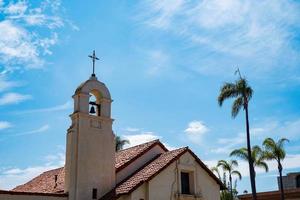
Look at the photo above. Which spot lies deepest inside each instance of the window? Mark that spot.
(298, 181)
(94, 106)
(185, 183)
(94, 194)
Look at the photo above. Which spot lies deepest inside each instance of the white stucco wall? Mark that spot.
(164, 185)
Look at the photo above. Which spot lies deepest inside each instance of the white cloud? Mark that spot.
(65, 106)
(28, 33)
(137, 139)
(195, 131)
(16, 8)
(17, 46)
(169, 147)
(13, 98)
(196, 127)
(136, 136)
(4, 125)
(13, 176)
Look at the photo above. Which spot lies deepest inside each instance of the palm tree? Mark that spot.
(120, 143)
(242, 92)
(229, 167)
(225, 194)
(257, 156)
(275, 151)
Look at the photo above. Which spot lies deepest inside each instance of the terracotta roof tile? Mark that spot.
(149, 171)
(125, 156)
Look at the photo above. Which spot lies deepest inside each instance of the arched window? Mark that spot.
(94, 106)
(298, 181)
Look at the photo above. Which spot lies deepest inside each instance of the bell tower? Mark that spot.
(90, 152)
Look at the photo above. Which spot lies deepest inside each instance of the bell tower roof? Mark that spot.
(93, 84)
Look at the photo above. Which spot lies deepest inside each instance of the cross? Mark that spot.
(94, 58)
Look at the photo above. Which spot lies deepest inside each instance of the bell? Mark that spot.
(92, 110)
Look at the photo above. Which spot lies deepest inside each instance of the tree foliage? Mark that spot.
(240, 90)
(228, 168)
(257, 156)
(120, 143)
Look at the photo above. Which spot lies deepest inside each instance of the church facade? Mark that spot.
(93, 170)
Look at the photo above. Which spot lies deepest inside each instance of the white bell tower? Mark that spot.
(90, 152)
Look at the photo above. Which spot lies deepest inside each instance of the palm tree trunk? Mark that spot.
(280, 177)
(230, 180)
(250, 160)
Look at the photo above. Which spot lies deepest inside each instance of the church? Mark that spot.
(94, 170)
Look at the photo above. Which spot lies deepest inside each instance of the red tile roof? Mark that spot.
(126, 156)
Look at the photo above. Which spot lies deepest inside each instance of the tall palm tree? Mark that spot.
(257, 156)
(275, 151)
(229, 167)
(242, 92)
(120, 143)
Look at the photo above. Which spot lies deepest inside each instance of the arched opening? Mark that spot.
(298, 181)
(94, 105)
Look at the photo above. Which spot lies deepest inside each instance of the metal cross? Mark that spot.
(94, 58)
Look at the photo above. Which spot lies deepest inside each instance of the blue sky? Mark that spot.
(164, 63)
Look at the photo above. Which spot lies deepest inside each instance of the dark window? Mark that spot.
(185, 183)
(94, 193)
(298, 181)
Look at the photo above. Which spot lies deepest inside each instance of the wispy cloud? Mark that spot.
(38, 130)
(277, 129)
(226, 145)
(159, 62)
(261, 32)
(5, 125)
(6, 84)
(195, 131)
(13, 98)
(65, 106)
